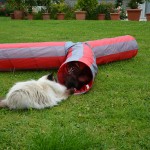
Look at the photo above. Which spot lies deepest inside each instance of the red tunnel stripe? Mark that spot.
(116, 57)
(31, 63)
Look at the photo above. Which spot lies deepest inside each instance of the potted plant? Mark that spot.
(80, 13)
(148, 13)
(114, 14)
(46, 9)
(60, 8)
(18, 6)
(85, 9)
(134, 12)
(118, 12)
(30, 4)
(2, 9)
(101, 10)
(10, 10)
(120, 8)
(148, 16)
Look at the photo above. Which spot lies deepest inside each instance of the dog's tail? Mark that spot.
(3, 103)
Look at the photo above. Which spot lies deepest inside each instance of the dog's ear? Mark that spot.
(50, 76)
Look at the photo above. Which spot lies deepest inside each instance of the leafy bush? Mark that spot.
(101, 8)
(38, 15)
(30, 4)
(109, 8)
(47, 4)
(61, 7)
(87, 5)
(17, 4)
(123, 14)
(118, 3)
(133, 4)
(69, 13)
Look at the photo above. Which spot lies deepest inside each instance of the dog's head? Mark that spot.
(71, 81)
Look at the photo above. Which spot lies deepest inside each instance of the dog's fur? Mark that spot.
(38, 94)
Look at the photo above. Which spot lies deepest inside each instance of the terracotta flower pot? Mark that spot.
(60, 16)
(12, 16)
(46, 16)
(148, 17)
(30, 16)
(80, 15)
(101, 16)
(134, 14)
(18, 14)
(115, 16)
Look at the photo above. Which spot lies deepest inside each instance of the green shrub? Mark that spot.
(30, 4)
(17, 4)
(123, 14)
(133, 4)
(109, 8)
(118, 3)
(47, 4)
(101, 8)
(69, 13)
(59, 8)
(87, 5)
(38, 16)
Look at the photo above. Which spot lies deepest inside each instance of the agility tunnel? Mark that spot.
(47, 55)
(80, 58)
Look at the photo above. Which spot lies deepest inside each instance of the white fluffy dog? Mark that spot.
(39, 94)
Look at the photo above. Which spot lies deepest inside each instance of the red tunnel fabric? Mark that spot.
(114, 49)
(23, 56)
(46, 55)
(78, 52)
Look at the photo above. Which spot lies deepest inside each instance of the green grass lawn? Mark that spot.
(113, 115)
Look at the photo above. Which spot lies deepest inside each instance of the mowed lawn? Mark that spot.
(113, 115)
